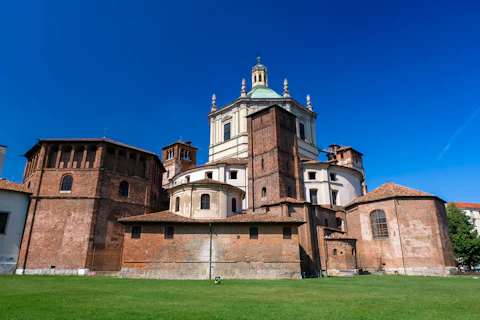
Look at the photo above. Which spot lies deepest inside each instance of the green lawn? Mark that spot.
(364, 297)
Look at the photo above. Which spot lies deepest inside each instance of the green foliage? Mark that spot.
(466, 244)
(363, 297)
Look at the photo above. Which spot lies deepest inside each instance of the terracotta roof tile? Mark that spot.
(466, 205)
(11, 186)
(228, 161)
(170, 217)
(338, 235)
(286, 199)
(389, 190)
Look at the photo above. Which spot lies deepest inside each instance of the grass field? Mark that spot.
(364, 297)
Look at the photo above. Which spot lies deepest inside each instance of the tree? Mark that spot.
(466, 244)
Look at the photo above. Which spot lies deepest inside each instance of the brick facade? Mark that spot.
(206, 250)
(418, 241)
(64, 228)
(176, 158)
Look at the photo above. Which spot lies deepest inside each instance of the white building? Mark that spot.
(336, 181)
(473, 211)
(14, 200)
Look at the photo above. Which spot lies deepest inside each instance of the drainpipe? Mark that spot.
(326, 254)
(210, 259)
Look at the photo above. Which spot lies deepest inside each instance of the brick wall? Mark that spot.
(418, 241)
(234, 254)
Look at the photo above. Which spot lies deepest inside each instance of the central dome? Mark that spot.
(263, 92)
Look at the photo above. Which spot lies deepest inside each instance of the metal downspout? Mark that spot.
(210, 259)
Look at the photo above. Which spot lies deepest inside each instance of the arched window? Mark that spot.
(67, 183)
(255, 78)
(334, 252)
(177, 204)
(260, 77)
(326, 222)
(264, 193)
(234, 205)
(379, 224)
(339, 224)
(123, 190)
(287, 233)
(205, 202)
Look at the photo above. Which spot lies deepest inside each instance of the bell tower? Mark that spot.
(259, 75)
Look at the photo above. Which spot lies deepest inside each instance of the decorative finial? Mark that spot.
(243, 93)
(258, 58)
(214, 102)
(309, 103)
(286, 93)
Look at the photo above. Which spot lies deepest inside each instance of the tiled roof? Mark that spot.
(332, 207)
(11, 186)
(206, 181)
(389, 190)
(467, 205)
(228, 161)
(170, 217)
(282, 200)
(338, 235)
(188, 144)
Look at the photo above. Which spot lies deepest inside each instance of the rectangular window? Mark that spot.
(312, 176)
(233, 175)
(287, 233)
(168, 233)
(302, 131)
(253, 233)
(136, 232)
(209, 175)
(226, 131)
(313, 196)
(3, 221)
(334, 197)
(333, 177)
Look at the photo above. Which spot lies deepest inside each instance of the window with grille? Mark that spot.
(205, 201)
(123, 190)
(67, 183)
(168, 233)
(136, 232)
(379, 224)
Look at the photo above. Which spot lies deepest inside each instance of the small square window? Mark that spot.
(209, 175)
(287, 233)
(333, 177)
(312, 175)
(136, 232)
(233, 175)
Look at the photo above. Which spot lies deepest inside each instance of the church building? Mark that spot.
(264, 206)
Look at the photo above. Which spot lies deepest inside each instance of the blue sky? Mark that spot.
(399, 81)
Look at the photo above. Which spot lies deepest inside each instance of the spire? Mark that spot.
(286, 93)
(214, 103)
(259, 75)
(309, 103)
(243, 93)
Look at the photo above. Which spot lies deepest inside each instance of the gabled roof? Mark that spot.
(170, 217)
(387, 191)
(11, 186)
(467, 205)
